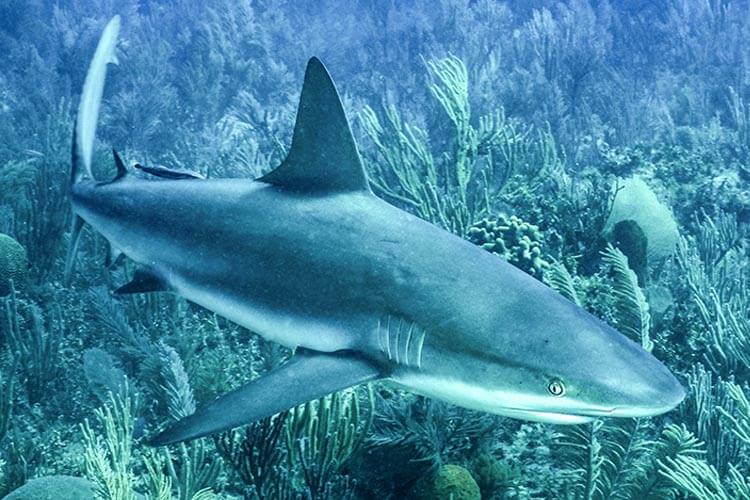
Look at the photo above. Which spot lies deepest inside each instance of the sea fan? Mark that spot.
(180, 400)
(632, 313)
(560, 280)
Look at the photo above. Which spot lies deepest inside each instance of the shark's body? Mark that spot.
(307, 256)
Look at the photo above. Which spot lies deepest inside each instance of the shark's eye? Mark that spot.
(556, 388)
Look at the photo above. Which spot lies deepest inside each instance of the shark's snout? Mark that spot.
(623, 378)
(577, 369)
(642, 393)
(651, 390)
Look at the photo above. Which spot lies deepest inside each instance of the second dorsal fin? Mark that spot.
(323, 156)
(122, 170)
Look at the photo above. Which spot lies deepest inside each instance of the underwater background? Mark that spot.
(602, 147)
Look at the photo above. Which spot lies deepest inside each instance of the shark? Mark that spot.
(309, 257)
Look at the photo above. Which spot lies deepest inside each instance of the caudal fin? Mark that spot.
(84, 129)
(91, 99)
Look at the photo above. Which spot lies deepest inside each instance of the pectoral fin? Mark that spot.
(306, 376)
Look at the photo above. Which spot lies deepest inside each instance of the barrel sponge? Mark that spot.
(449, 481)
(636, 201)
(13, 263)
(54, 488)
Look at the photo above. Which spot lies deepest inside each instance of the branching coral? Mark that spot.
(621, 461)
(518, 242)
(465, 182)
(701, 479)
(716, 268)
(159, 484)
(108, 458)
(709, 399)
(740, 418)
(255, 453)
(560, 280)
(322, 435)
(6, 403)
(695, 476)
(675, 442)
(35, 347)
(192, 470)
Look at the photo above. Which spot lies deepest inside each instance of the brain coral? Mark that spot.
(13, 263)
(54, 488)
(448, 482)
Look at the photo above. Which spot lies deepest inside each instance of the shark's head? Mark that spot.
(544, 361)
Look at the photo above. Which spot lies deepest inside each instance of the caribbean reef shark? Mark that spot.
(309, 257)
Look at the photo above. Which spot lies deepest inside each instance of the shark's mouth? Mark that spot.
(547, 417)
(551, 417)
(577, 416)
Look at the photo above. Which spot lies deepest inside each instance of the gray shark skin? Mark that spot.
(309, 257)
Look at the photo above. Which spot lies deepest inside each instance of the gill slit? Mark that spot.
(420, 346)
(400, 340)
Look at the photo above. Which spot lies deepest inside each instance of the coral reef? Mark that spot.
(518, 242)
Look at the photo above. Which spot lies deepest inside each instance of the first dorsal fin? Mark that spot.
(323, 156)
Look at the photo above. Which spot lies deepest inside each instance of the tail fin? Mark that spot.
(91, 98)
(84, 129)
